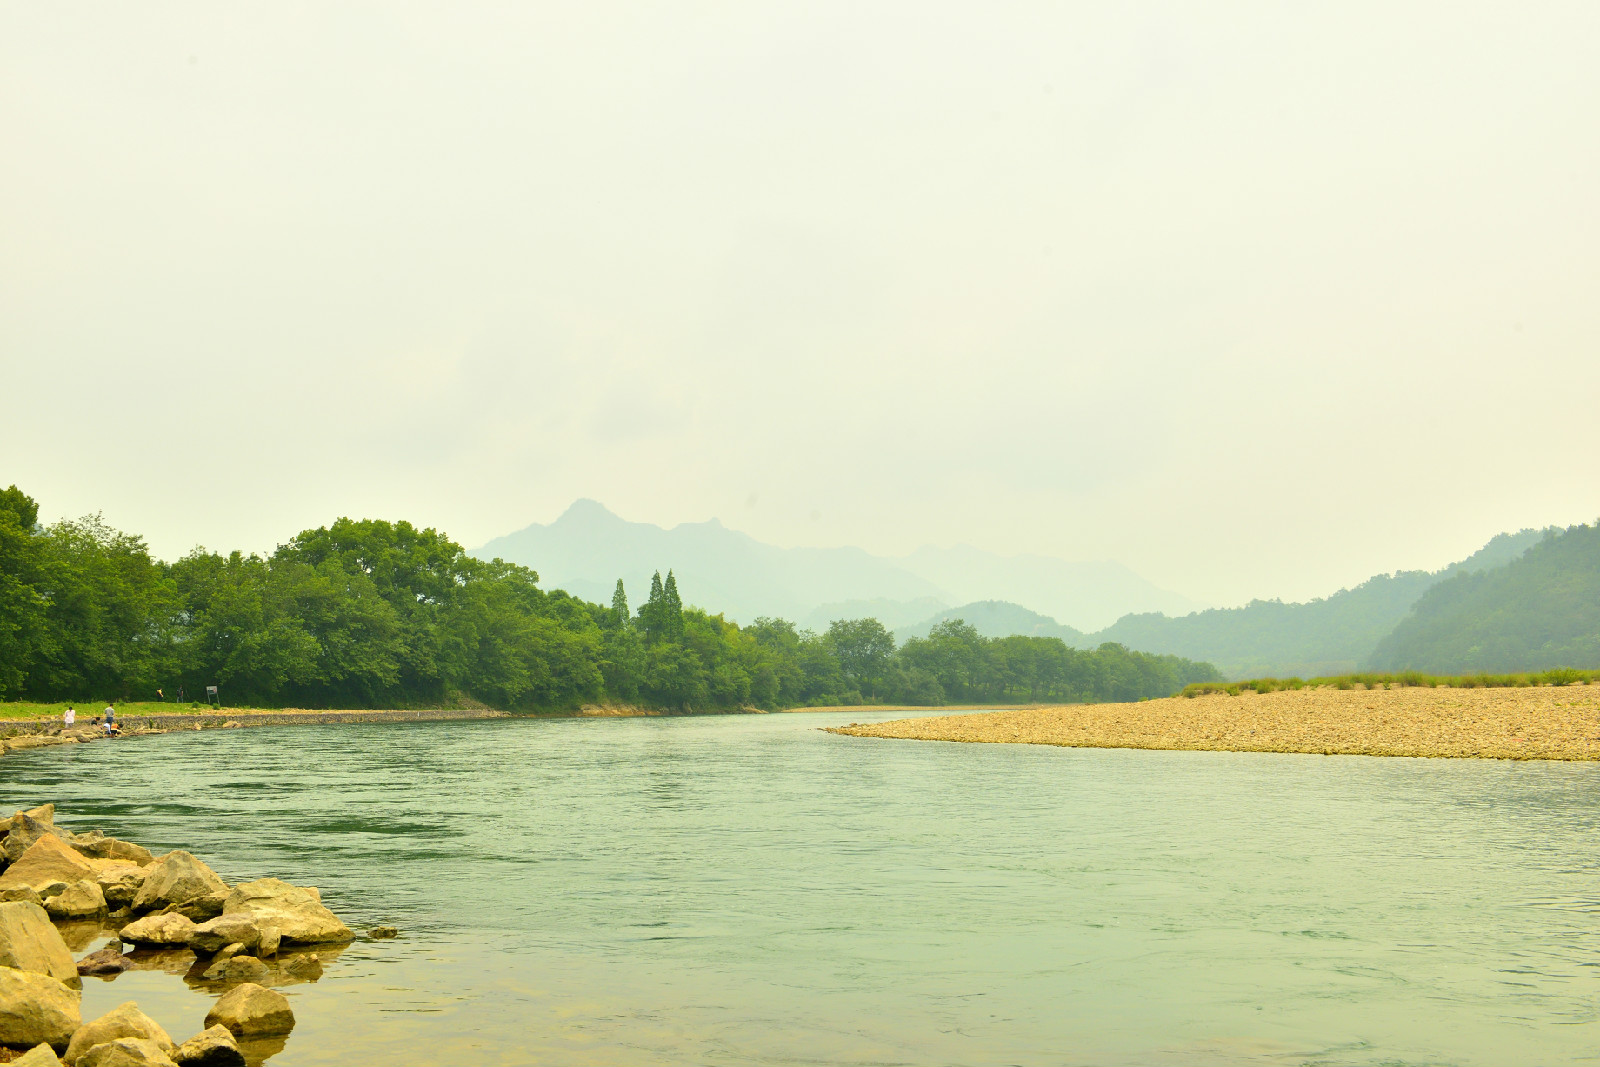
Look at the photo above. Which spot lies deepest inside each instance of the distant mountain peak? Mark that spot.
(584, 509)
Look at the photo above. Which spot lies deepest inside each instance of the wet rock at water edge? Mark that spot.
(304, 968)
(252, 1009)
(214, 1047)
(126, 1052)
(36, 1009)
(169, 929)
(123, 1021)
(104, 963)
(98, 846)
(383, 933)
(30, 942)
(215, 934)
(296, 911)
(241, 969)
(177, 878)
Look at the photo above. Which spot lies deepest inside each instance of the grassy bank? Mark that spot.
(1556, 676)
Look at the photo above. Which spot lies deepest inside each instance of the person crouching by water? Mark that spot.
(112, 730)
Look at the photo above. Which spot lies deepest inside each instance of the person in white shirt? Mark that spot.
(69, 717)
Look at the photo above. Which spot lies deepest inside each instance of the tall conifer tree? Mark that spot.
(672, 615)
(619, 604)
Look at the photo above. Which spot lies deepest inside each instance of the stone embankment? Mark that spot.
(237, 941)
(18, 735)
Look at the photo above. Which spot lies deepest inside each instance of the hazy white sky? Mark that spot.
(1257, 298)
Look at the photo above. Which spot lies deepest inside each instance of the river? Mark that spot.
(752, 890)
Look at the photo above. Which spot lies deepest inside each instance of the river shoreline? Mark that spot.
(1542, 723)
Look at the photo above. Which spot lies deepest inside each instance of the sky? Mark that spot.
(1259, 299)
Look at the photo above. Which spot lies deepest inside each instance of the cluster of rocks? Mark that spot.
(239, 939)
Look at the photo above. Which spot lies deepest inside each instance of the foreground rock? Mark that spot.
(30, 942)
(48, 859)
(214, 1047)
(125, 1020)
(176, 879)
(251, 1009)
(168, 929)
(38, 1056)
(36, 1009)
(80, 900)
(127, 1052)
(297, 913)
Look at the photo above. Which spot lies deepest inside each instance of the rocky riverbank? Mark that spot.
(19, 734)
(61, 892)
(1544, 722)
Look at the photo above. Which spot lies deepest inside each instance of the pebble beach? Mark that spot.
(1544, 722)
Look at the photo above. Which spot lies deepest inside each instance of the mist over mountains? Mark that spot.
(588, 548)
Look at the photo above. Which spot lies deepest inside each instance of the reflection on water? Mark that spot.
(743, 890)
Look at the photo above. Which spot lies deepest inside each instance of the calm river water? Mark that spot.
(750, 890)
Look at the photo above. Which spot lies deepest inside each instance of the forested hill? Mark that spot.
(996, 618)
(1333, 635)
(1540, 611)
(370, 613)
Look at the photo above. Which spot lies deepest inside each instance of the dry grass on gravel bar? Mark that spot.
(1548, 722)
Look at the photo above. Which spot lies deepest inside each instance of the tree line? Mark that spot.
(379, 614)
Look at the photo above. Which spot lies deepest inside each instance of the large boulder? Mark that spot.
(176, 878)
(252, 1009)
(126, 1052)
(80, 900)
(216, 934)
(99, 846)
(25, 832)
(48, 859)
(125, 1020)
(168, 929)
(297, 912)
(29, 942)
(35, 1009)
(45, 813)
(38, 1056)
(214, 1047)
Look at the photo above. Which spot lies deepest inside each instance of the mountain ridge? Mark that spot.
(588, 547)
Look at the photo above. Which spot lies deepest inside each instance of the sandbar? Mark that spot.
(1543, 722)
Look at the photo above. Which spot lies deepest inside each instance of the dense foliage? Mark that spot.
(370, 613)
(1539, 612)
(1327, 636)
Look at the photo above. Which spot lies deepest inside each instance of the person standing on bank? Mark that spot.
(68, 718)
(111, 721)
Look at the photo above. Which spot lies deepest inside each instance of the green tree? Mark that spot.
(863, 647)
(22, 606)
